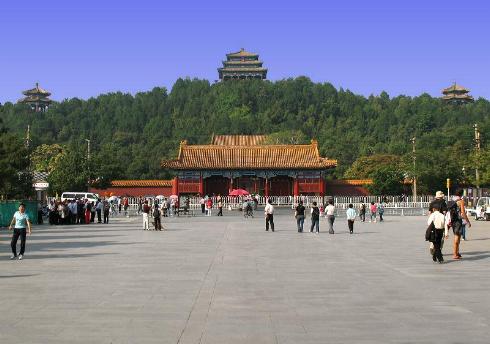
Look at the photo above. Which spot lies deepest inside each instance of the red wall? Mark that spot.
(133, 191)
(346, 190)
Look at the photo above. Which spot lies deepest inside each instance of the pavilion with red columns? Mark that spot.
(248, 162)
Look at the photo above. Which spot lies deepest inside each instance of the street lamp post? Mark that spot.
(413, 140)
(88, 162)
(477, 147)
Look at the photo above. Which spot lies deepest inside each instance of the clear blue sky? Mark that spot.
(84, 48)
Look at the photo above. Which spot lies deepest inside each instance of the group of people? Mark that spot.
(329, 213)
(168, 207)
(444, 216)
(78, 211)
(207, 205)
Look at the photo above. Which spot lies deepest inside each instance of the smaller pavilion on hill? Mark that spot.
(456, 94)
(246, 162)
(37, 98)
(242, 65)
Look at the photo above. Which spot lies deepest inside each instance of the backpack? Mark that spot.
(316, 213)
(454, 211)
(156, 212)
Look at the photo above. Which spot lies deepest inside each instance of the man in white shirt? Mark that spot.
(330, 214)
(269, 216)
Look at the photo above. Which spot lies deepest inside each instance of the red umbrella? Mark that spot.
(239, 192)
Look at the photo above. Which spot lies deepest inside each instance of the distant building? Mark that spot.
(247, 162)
(37, 98)
(242, 65)
(457, 94)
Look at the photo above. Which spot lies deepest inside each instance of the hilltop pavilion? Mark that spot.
(242, 65)
(247, 162)
(457, 94)
(37, 98)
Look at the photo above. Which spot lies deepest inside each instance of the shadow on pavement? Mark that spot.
(64, 256)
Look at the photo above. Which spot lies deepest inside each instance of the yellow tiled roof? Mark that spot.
(455, 88)
(37, 90)
(242, 53)
(221, 157)
(244, 69)
(142, 183)
(350, 182)
(238, 140)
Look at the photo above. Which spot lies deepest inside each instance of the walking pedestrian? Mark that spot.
(165, 208)
(73, 211)
(20, 221)
(209, 206)
(269, 216)
(126, 206)
(381, 210)
(156, 218)
(299, 214)
(146, 216)
(459, 218)
(98, 208)
(52, 213)
(220, 207)
(203, 205)
(88, 211)
(362, 212)
(80, 212)
(351, 217)
(373, 209)
(315, 218)
(437, 219)
(330, 213)
(107, 208)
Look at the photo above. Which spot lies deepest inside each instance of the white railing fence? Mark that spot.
(394, 204)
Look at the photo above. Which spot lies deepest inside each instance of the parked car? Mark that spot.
(482, 209)
(79, 195)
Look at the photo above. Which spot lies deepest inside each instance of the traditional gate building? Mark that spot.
(247, 162)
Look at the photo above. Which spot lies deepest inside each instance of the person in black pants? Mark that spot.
(20, 221)
(107, 208)
(269, 216)
(300, 216)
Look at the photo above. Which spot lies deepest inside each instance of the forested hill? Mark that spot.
(131, 134)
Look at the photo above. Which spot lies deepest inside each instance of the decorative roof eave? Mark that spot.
(37, 91)
(242, 53)
(246, 62)
(350, 182)
(246, 69)
(262, 157)
(455, 88)
(142, 183)
(35, 99)
(458, 97)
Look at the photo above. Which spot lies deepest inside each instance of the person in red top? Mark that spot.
(126, 206)
(209, 205)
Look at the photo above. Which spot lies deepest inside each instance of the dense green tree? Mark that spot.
(15, 177)
(387, 180)
(140, 130)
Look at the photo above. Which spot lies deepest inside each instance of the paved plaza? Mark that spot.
(225, 280)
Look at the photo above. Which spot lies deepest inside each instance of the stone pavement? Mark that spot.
(225, 280)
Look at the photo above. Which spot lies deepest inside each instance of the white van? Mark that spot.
(79, 195)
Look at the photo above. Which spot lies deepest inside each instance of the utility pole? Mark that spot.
(477, 148)
(414, 156)
(28, 137)
(88, 161)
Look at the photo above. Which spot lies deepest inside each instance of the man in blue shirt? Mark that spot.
(20, 221)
